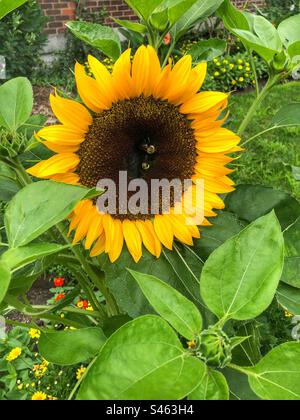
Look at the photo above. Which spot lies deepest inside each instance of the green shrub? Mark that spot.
(278, 10)
(22, 38)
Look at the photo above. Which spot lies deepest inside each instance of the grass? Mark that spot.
(268, 160)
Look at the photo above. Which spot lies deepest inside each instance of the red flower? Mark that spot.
(167, 39)
(60, 296)
(85, 304)
(59, 282)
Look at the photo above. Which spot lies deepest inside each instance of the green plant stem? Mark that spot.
(252, 111)
(245, 371)
(22, 324)
(76, 387)
(253, 66)
(169, 53)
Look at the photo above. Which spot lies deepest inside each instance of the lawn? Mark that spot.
(268, 160)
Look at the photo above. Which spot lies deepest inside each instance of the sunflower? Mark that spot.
(151, 122)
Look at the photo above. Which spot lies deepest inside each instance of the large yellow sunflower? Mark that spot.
(184, 140)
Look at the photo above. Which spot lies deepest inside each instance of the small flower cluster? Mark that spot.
(232, 72)
(84, 304)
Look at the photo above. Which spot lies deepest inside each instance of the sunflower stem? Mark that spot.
(273, 80)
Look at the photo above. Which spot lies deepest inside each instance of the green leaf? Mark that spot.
(8, 189)
(239, 386)
(294, 52)
(224, 227)
(289, 298)
(249, 202)
(175, 10)
(207, 50)
(180, 312)
(132, 26)
(22, 284)
(256, 32)
(239, 279)
(277, 375)
(101, 37)
(38, 207)
(126, 291)
(5, 277)
(197, 13)
(232, 17)
(143, 8)
(66, 348)
(296, 172)
(16, 102)
(248, 351)
(143, 360)
(287, 116)
(291, 272)
(7, 6)
(289, 30)
(16, 258)
(213, 387)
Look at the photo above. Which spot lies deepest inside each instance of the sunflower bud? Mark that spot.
(214, 348)
(12, 144)
(280, 62)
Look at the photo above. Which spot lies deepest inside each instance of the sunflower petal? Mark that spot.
(164, 231)
(150, 240)
(133, 239)
(71, 113)
(88, 89)
(118, 240)
(140, 70)
(108, 225)
(99, 247)
(104, 81)
(58, 164)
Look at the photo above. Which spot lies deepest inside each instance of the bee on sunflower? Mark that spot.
(151, 122)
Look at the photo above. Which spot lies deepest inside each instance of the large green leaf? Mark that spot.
(249, 202)
(169, 267)
(180, 312)
(289, 30)
(277, 375)
(207, 50)
(16, 101)
(294, 53)
(239, 279)
(256, 32)
(287, 116)
(170, 11)
(213, 387)
(132, 26)
(70, 347)
(7, 6)
(198, 12)
(101, 37)
(289, 298)
(144, 8)
(224, 227)
(16, 258)
(143, 360)
(239, 386)
(291, 272)
(5, 277)
(8, 189)
(38, 207)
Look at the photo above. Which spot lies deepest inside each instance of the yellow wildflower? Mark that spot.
(80, 372)
(14, 354)
(191, 344)
(216, 74)
(288, 314)
(231, 66)
(20, 387)
(39, 396)
(241, 79)
(248, 69)
(225, 61)
(240, 67)
(52, 398)
(34, 333)
(234, 82)
(240, 61)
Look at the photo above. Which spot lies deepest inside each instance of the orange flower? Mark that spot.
(60, 296)
(59, 282)
(167, 39)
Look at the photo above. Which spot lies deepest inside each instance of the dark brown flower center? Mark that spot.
(146, 137)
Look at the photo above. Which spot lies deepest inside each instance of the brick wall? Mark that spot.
(60, 11)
